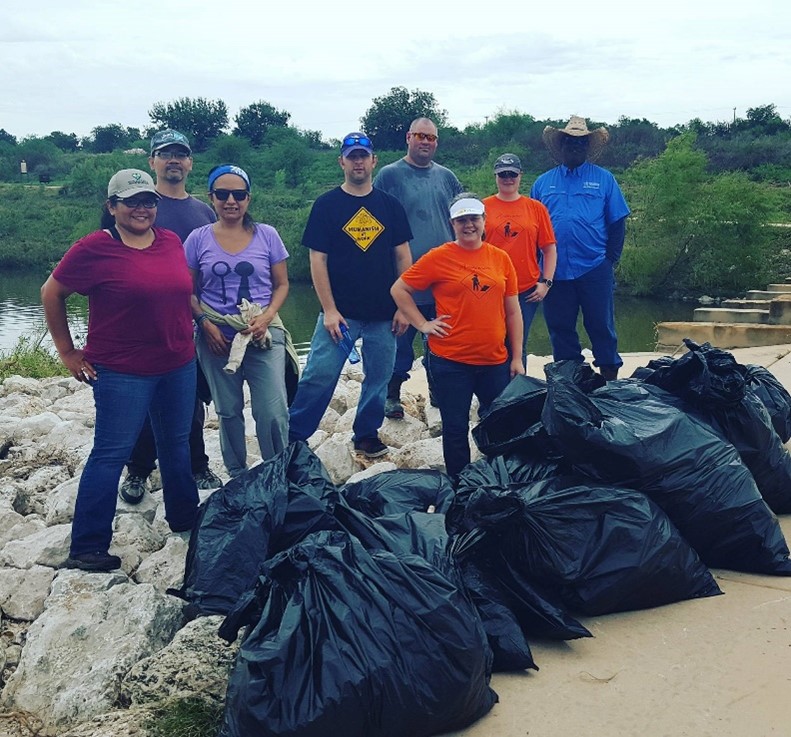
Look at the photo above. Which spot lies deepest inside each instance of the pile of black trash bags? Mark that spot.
(381, 608)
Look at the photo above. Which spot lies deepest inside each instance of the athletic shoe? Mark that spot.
(371, 447)
(93, 562)
(207, 479)
(394, 409)
(133, 489)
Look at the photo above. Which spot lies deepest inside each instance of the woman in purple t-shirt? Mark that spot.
(139, 358)
(232, 260)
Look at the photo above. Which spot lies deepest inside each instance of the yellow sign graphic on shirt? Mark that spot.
(363, 229)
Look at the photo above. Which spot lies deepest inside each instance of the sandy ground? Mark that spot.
(716, 667)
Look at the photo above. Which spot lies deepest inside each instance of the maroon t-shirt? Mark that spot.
(139, 317)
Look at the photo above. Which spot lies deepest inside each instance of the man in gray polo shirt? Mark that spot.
(425, 189)
(171, 162)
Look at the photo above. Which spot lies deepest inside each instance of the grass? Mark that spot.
(192, 717)
(31, 359)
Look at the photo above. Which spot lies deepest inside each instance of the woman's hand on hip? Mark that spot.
(78, 367)
(437, 326)
(218, 344)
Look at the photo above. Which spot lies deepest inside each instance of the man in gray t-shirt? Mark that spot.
(425, 189)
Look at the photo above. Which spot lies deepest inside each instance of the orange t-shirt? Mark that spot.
(471, 287)
(519, 228)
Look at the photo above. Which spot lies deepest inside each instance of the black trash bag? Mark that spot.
(265, 510)
(603, 549)
(699, 480)
(402, 490)
(538, 610)
(736, 413)
(774, 397)
(357, 643)
(511, 416)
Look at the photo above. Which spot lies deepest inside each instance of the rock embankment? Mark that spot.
(92, 653)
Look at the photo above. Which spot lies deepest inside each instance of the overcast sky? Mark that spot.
(71, 65)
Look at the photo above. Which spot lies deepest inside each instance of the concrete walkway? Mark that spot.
(716, 667)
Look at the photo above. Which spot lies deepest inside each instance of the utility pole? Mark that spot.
(734, 115)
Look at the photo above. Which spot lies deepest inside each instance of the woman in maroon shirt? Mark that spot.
(139, 358)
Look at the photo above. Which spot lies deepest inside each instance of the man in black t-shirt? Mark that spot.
(358, 238)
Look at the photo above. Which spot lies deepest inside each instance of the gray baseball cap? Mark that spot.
(508, 162)
(128, 182)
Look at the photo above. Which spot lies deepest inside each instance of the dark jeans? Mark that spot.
(142, 461)
(454, 384)
(405, 352)
(122, 403)
(593, 293)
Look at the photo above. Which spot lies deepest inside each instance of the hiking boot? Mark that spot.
(609, 373)
(393, 407)
(133, 489)
(93, 562)
(432, 400)
(371, 447)
(207, 479)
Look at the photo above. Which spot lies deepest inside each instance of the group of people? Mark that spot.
(407, 252)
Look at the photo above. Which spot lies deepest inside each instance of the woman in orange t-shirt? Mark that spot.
(478, 323)
(521, 226)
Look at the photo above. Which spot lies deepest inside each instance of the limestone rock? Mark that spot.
(23, 592)
(422, 454)
(433, 421)
(373, 470)
(20, 385)
(315, 440)
(126, 723)
(165, 568)
(48, 546)
(9, 519)
(37, 425)
(335, 453)
(398, 433)
(78, 651)
(329, 422)
(196, 662)
(36, 489)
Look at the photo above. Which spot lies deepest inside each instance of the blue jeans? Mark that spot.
(405, 353)
(323, 368)
(528, 310)
(454, 385)
(593, 293)
(265, 373)
(122, 403)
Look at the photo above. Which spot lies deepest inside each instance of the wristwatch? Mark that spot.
(548, 282)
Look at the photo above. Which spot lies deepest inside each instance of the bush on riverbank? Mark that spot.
(31, 359)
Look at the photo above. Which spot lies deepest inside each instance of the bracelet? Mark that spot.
(200, 318)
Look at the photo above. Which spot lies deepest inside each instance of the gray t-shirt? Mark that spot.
(425, 193)
(183, 216)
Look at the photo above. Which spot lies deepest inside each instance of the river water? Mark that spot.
(21, 315)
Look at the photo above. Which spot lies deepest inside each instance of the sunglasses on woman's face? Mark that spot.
(149, 203)
(239, 195)
(507, 174)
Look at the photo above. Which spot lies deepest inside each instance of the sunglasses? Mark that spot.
(507, 174)
(424, 136)
(168, 155)
(149, 203)
(239, 195)
(357, 141)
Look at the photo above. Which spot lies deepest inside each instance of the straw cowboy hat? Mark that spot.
(577, 127)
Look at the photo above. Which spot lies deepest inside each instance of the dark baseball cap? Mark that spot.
(508, 162)
(356, 142)
(169, 137)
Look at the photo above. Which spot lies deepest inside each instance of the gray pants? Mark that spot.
(264, 371)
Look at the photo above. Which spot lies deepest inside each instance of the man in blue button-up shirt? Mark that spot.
(588, 213)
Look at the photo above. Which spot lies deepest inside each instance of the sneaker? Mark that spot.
(394, 409)
(133, 489)
(371, 447)
(93, 562)
(207, 479)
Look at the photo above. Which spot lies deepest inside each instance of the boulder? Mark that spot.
(164, 569)
(23, 592)
(422, 454)
(48, 546)
(336, 455)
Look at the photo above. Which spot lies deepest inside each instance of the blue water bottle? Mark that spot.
(346, 346)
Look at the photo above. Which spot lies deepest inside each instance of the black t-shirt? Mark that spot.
(358, 234)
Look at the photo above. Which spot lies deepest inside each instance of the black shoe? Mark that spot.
(394, 409)
(207, 479)
(93, 562)
(432, 400)
(133, 489)
(371, 447)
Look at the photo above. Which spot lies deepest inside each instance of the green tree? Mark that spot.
(64, 141)
(253, 121)
(388, 118)
(107, 138)
(6, 137)
(201, 120)
(692, 231)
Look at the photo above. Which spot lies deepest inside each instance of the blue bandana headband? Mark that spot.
(218, 171)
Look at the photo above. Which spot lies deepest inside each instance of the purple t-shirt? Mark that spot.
(227, 278)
